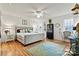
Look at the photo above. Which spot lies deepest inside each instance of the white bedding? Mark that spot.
(22, 34)
(27, 38)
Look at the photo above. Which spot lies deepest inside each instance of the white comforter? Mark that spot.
(27, 38)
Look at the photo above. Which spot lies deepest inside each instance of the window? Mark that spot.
(68, 24)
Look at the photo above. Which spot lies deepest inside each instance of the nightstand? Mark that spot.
(10, 37)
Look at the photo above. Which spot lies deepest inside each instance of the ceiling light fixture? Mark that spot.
(38, 14)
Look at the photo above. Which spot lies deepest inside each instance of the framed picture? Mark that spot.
(24, 22)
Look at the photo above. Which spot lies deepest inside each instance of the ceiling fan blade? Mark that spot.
(34, 8)
(44, 9)
(47, 15)
(29, 12)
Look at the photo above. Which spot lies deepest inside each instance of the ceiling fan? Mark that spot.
(38, 12)
(75, 9)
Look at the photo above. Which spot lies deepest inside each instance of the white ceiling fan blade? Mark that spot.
(47, 15)
(44, 9)
(34, 8)
(29, 12)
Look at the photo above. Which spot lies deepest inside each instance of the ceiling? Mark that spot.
(52, 9)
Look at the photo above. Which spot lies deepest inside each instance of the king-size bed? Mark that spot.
(27, 38)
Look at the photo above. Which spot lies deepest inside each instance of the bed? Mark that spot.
(27, 38)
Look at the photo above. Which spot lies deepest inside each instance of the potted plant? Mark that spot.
(77, 41)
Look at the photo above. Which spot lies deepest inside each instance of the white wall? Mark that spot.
(58, 31)
(10, 19)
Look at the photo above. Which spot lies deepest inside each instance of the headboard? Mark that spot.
(23, 29)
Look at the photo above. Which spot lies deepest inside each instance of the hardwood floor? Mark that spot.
(14, 48)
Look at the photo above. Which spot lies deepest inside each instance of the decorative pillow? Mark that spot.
(18, 30)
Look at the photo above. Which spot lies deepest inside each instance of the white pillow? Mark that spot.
(21, 31)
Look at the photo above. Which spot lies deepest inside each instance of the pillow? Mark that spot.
(18, 30)
(21, 31)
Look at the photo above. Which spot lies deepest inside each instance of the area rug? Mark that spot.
(47, 49)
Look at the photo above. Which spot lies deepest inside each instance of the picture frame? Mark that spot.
(24, 22)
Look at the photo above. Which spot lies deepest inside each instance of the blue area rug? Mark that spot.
(47, 49)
